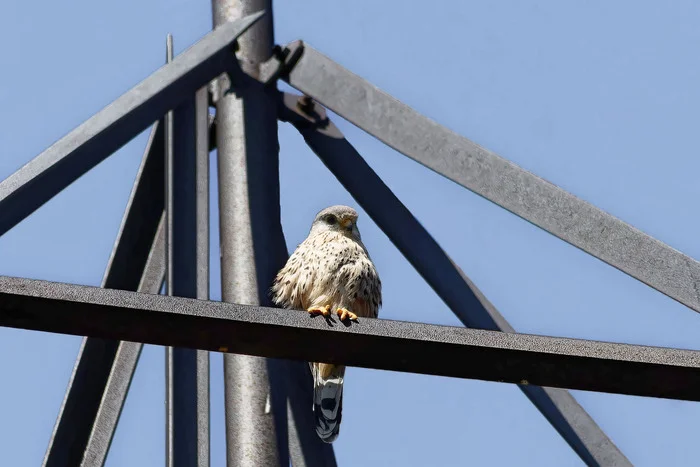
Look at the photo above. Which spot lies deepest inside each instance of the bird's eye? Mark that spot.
(331, 220)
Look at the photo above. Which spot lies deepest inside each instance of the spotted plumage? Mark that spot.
(330, 272)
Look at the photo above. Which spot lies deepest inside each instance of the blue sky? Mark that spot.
(601, 98)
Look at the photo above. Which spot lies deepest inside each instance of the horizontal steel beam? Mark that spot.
(419, 247)
(380, 344)
(109, 129)
(496, 179)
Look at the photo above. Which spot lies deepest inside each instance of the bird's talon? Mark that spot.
(344, 314)
(320, 310)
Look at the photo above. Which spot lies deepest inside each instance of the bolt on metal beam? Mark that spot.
(370, 343)
(466, 301)
(76, 425)
(187, 396)
(500, 181)
(105, 132)
(251, 240)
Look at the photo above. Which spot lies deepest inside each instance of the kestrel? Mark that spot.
(330, 272)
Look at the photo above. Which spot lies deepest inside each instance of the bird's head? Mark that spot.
(342, 219)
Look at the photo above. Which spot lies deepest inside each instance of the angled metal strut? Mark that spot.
(95, 395)
(485, 173)
(109, 129)
(558, 406)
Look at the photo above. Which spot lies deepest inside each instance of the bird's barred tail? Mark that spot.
(328, 399)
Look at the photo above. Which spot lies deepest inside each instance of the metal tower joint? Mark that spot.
(281, 63)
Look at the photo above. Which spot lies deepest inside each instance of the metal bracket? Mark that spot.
(281, 63)
(278, 66)
(301, 111)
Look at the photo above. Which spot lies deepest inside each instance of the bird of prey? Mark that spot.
(330, 272)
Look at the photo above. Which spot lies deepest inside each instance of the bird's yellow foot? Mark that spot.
(344, 314)
(320, 310)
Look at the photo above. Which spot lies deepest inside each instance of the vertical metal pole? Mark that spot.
(251, 240)
(182, 406)
(202, 206)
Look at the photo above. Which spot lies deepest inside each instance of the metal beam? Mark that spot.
(184, 141)
(251, 239)
(435, 266)
(76, 424)
(496, 179)
(371, 343)
(95, 139)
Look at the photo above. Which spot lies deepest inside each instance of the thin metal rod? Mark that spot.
(438, 270)
(251, 240)
(496, 179)
(370, 343)
(182, 407)
(202, 219)
(77, 416)
(95, 139)
(124, 366)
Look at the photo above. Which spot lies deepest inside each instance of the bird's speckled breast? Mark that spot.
(329, 268)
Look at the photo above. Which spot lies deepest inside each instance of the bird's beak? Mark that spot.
(346, 222)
